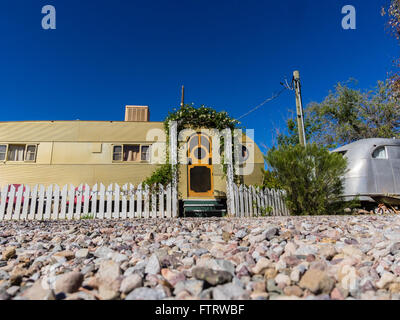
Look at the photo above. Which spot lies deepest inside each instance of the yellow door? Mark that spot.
(200, 166)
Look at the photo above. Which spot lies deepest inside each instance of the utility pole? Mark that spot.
(299, 108)
(183, 96)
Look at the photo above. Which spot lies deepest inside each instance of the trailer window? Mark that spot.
(342, 153)
(394, 152)
(380, 153)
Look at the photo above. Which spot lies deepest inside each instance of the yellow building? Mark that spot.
(78, 152)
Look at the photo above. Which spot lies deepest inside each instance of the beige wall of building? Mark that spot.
(75, 152)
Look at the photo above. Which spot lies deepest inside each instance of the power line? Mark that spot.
(275, 96)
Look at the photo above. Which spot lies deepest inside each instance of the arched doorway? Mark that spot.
(200, 180)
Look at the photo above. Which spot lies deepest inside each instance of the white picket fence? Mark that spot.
(254, 202)
(23, 202)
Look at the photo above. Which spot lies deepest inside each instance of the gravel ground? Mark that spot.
(338, 257)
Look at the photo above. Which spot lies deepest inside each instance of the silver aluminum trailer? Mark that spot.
(373, 170)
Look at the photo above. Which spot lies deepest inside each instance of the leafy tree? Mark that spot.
(311, 177)
(393, 14)
(311, 127)
(348, 114)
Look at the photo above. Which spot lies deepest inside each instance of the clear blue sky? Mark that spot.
(230, 55)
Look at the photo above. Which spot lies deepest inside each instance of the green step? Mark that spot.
(205, 207)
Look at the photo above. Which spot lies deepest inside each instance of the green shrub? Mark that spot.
(311, 177)
(87, 217)
(162, 175)
(270, 180)
(264, 211)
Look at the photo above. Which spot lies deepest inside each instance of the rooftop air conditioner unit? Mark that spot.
(137, 113)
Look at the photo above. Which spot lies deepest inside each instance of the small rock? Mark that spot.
(327, 251)
(8, 253)
(385, 280)
(63, 256)
(228, 291)
(293, 291)
(395, 248)
(295, 275)
(194, 287)
(188, 261)
(261, 266)
(68, 282)
(38, 291)
(306, 250)
(109, 271)
(120, 258)
(12, 291)
(226, 236)
(146, 294)
(107, 292)
(394, 288)
(317, 281)
(16, 275)
(82, 253)
(153, 265)
(292, 261)
(282, 279)
(241, 234)
(103, 252)
(213, 277)
(173, 277)
(258, 286)
(270, 233)
(272, 287)
(216, 264)
(130, 283)
(270, 273)
(337, 294)
(259, 296)
(352, 251)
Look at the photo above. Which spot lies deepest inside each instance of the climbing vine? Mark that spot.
(188, 116)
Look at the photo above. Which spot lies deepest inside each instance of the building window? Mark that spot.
(16, 152)
(245, 153)
(131, 153)
(3, 152)
(117, 153)
(145, 153)
(380, 153)
(30, 154)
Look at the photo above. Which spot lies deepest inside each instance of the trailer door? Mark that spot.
(394, 157)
